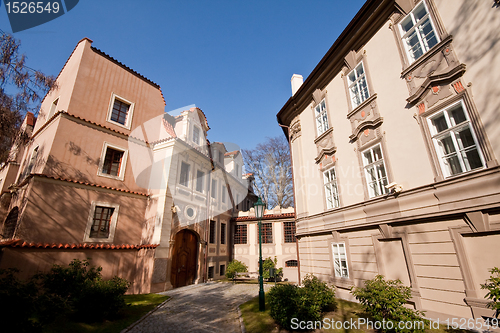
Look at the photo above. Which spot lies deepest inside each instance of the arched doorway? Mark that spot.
(184, 258)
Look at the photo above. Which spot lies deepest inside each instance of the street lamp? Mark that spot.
(259, 212)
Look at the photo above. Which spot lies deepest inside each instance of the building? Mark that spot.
(106, 174)
(278, 240)
(395, 138)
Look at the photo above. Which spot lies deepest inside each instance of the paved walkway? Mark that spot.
(208, 307)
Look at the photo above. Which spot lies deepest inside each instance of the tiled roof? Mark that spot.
(265, 217)
(19, 243)
(232, 153)
(90, 184)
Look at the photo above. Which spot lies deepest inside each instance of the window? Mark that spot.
(196, 135)
(32, 163)
(267, 233)
(240, 234)
(211, 272)
(53, 109)
(113, 161)
(222, 270)
(120, 111)
(376, 177)
(221, 158)
(340, 260)
(200, 176)
(418, 33)
(237, 169)
(455, 141)
(214, 189)
(291, 263)
(212, 232)
(184, 178)
(321, 117)
(358, 88)
(289, 232)
(331, 191)
(223, 233)
(223, 194)
(102, 222)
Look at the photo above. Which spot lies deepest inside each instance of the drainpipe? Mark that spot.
(294, 200)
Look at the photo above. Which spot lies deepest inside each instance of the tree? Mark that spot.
(234, 267)
(493, 287)
(21, 90)
(271, 166)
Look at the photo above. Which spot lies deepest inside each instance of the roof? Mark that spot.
(234, 152)
(19, 243)
(362, 27)
(265, 217)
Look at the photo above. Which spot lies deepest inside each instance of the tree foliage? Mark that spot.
(270, 163)
(21, 91)
(493, 287)
(384, 300)
(234, 267)
(267, 265)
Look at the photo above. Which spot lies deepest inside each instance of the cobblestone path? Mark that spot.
(201, 308)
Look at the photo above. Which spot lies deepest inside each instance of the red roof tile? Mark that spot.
(18, 243)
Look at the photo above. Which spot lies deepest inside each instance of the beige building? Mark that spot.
(395, 138)
(278, 240)
(106, 174)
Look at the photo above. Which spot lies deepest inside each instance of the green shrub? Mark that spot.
(234, 267)
(80, 290)
(385, 300)
(493, 287)
(306, 304)
(267, 265)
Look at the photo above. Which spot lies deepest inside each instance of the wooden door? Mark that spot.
(184, 259)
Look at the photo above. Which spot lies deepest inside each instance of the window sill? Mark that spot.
(323, 135)
(435, 49)
(98, 240)
(361, 106)
(105, 175)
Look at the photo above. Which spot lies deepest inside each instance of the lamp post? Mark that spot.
(259, 212)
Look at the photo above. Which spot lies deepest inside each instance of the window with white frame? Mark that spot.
(113, 161)
(358, 88)
(120, 112)
(418, 32)
(375, 172)
(340, 260)
(101, 222)
(184, 176)
(196, 135)
(455, 141)
(321, 117)
(223, 194)
(331, 191)
(200, 177)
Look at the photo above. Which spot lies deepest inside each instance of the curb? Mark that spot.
(146, 315)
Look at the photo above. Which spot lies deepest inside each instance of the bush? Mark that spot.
(493, 287)
(267, 265)
(234, 267)
(307, 303)
(81, 291)
(385, 300)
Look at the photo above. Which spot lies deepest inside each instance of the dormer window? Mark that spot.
(196, 135)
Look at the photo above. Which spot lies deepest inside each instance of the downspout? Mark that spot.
(294, 198)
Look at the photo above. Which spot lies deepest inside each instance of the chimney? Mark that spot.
(297, 81)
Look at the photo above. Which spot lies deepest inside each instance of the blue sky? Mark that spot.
(232, 59)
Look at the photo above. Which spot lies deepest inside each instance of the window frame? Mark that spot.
(197, 130)
(334, 184)
(435, 136)
(321, 117)
(223, 194)
(423, 45)
(200, 181)
(355, 83)
(373, 165)
(213, 189)
(53, 108)
(130, 112)
(339, 264)
(267, 233)
(112, 223)
(123, 162)
(223, 233)
(291, 233)
(212, 232)
(292, 263)
(239, 236)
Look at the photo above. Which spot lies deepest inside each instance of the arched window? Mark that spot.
(9, 226)
(291, 263)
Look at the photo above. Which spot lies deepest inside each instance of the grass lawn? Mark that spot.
(137, 306)
(261, 322)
